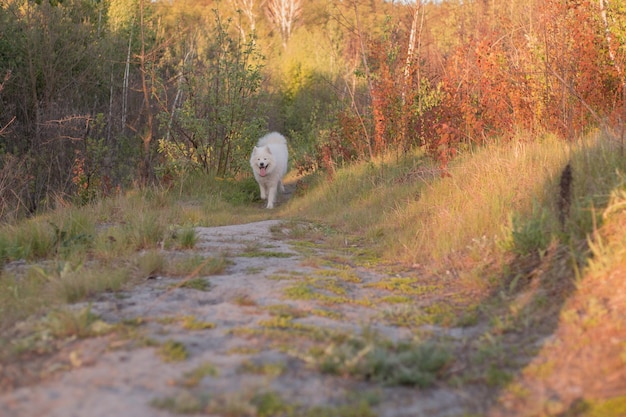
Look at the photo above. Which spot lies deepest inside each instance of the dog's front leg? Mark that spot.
(263, 193)
(271, 197)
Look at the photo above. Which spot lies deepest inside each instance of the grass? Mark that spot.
(256, 251)
(487, 236)
(262, 403)
(268, 368)
(370, 357)
(501, 197)
(199, 284)
(67, 323)
(198, 265)
(173, 351)
(192, 323)
(194, 377)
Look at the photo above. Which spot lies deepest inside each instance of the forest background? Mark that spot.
(96, 96)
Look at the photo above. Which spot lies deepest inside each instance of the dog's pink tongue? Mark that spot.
(262, 171)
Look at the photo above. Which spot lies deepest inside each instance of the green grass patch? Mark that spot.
(404, 285)
(187, 238)
(64, 323)
(310, 290)
(285, 310)
(200, 284)
(370, 358)
(193, 378)
(192, 323)
(396, 299)
(404, 315)
(198, 265)
(183, 403)
(272, 369)
(262, 253)
(151, 263)
(173, 351)
(331, 314)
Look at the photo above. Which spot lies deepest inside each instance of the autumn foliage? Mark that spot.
(547, 74)
(128, 92)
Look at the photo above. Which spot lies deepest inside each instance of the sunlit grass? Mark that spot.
(490, 200)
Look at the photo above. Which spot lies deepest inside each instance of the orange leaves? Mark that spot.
(545, 71)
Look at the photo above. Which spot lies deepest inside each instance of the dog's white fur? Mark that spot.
(269, 164)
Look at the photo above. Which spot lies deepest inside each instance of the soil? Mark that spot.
(120, 374)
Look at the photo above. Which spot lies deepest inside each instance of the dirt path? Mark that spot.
(248, 341)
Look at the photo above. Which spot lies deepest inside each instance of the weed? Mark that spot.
(34, 239)
(252, 270)
(612, 407)
(469, 317)
(76, 236)
(187, 238)
(305, 291)
(497, 377)
(358, 409)
(532, 234)
(335, 315)
(151, 262)
(183, 403)
(404, 315)
(65, 323)
(20, 297)
(173, 351)
(145, 230)
(385, 362)
(404, 285)
(285, 310)
(396, 299)
(192, 323)
(244, 350)
(270, 404)
(200, 284)
(75, 283)
(244, 300)
(198, 265)
(269, 368)
(254, 252)
(300, 291)
(193, 378)
(345, 275)
(282, 277)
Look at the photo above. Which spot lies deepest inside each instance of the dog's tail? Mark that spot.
(272, 138)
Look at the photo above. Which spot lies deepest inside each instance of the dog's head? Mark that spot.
(261, 159)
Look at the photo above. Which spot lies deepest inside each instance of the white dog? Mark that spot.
(269, 164)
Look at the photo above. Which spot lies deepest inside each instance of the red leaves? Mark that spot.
(543, 72)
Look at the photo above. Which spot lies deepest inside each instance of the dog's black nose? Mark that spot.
(261, 164)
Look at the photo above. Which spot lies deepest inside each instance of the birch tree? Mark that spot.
(415, 39)
(611, 42)
(247, 9)
(283, 14)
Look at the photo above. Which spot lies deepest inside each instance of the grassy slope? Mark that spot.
(489, 230)
(555, 309)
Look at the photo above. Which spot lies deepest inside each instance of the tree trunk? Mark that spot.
(146, 135)
(368, 76)
(126, 77)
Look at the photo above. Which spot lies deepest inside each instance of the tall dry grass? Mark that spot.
(493, 200)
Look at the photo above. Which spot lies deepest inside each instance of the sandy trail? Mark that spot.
(116, 376)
